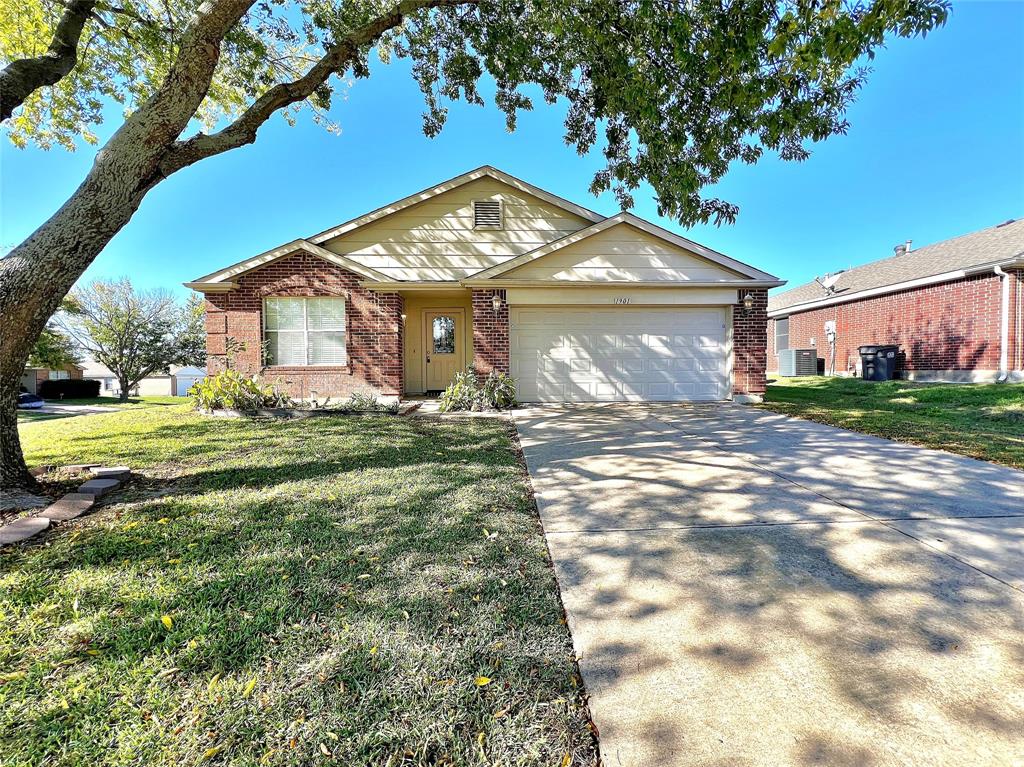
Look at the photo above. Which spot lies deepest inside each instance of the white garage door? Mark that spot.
(595, 354)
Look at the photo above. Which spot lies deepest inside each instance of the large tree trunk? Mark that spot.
(37, 274)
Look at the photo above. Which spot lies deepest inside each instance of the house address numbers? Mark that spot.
(621, 300)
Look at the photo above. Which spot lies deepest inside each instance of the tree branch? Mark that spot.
(22, 77)
(336, 59)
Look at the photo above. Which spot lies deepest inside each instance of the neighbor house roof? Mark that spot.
(940, 262)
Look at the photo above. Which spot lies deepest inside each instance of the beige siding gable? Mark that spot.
(622, 253)
(435, 239)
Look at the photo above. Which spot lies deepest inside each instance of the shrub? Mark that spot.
(69, 388)
(231, 389)
(367, 402)
(465, 392)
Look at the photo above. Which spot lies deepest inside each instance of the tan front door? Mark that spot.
(444, 345)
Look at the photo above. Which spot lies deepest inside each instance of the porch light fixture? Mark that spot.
(496, 303)
(748, 302)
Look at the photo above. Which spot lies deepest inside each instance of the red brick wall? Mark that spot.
(373, 326)
(749, 343)
(490, 332)
(950, 326)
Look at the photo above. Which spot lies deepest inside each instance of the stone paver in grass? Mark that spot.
(111, 472)
(69, 507)
(23, 528)
(78, 468)
(99, 487)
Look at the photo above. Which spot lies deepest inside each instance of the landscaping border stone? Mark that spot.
(98, 487)
(285, 413)
(22, 528)
(69, 507)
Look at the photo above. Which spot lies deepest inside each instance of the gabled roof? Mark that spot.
(447, 186)
(747, 272)
(221, 281)
(940, 262)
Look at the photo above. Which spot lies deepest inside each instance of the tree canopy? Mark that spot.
(673, 92)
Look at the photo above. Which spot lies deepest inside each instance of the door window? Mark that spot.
(444, 335)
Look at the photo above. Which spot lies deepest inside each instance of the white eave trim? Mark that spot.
(390, 286)
(635, 221)
(447, 186)
(664, 284)
(219, 282)
(896, 287)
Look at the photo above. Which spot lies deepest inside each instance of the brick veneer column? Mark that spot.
(490, 332)
(373, 326)
(750, 343)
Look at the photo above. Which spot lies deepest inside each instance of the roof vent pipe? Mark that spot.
(903, 247)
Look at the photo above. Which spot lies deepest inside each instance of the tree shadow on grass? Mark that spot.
(360, 591)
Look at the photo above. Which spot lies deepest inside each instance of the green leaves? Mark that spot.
(672, 93)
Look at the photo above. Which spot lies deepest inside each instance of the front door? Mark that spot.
(444, 345)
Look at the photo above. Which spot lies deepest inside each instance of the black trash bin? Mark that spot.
(878, 363)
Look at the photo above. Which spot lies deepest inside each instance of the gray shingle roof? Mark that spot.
(987, 246)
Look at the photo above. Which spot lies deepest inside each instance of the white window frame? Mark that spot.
(501, 215)
(776, 338)
(58, 375)
(306, 331)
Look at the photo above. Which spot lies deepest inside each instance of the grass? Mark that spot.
(30, 416)
(983, 421)
(289, 593)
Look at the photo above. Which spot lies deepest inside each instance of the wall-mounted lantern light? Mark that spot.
(496, 303)
(748, 302)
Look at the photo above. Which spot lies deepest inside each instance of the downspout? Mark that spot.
(1004, 325)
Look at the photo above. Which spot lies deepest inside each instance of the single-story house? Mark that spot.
(174, 383)
(955, 309)
(34, 376)
(490, 271)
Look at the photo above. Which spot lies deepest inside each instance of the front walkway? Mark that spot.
(745, 588)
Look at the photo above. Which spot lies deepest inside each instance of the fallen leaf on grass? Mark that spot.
(247, 691)
(211, 752)
(481, 681)
(213, 682)
(168, 621)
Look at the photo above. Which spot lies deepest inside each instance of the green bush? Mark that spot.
(231, 389)
(465, 392)
(69, 388)
(360, 402)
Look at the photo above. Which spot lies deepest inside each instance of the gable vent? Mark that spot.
(487, 214)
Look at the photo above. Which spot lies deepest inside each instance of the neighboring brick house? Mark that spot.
(955, 308)
(34, 377)
(488, 271)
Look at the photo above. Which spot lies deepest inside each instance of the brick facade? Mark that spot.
(490, 332)
(749, 343)
(952, 326)
(373, 322)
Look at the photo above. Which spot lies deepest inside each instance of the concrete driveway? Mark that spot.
(745, 588)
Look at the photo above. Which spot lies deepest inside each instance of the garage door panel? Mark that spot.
(626, 353)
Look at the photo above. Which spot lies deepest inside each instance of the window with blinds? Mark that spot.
(487, 214)
(305, 331)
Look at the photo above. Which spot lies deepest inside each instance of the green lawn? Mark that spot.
(315, 592)
(30, 416)
(979, 420)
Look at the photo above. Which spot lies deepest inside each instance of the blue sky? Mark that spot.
(935, 149)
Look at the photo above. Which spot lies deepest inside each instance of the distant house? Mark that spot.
(176, 383)
(955, 308)
(33, 376)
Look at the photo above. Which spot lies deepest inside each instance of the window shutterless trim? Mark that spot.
(274, 364)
